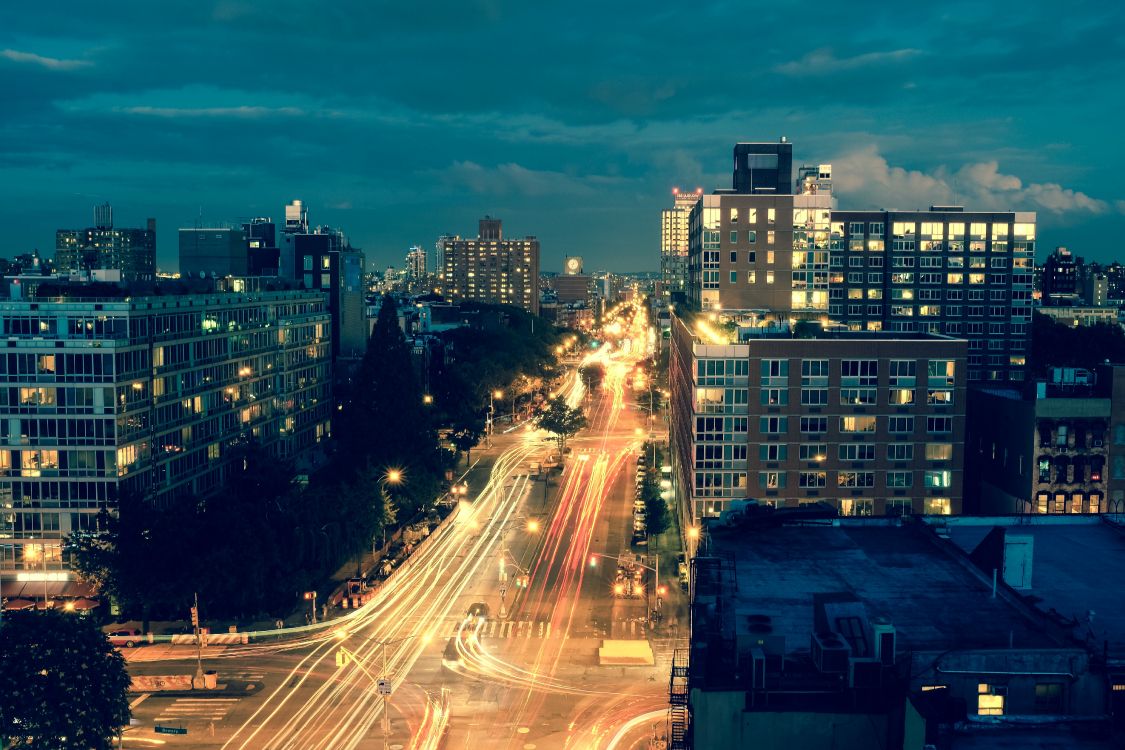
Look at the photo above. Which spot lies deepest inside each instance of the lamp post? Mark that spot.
(384, 686)
(392, 477)
(493, 396)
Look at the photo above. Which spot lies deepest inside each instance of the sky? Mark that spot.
(402, 121)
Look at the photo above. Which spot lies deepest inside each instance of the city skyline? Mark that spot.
(230, 111)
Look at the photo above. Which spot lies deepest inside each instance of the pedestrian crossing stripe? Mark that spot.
(507, 629)
(211, 709)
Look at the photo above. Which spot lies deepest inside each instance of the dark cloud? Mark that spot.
(400, 121)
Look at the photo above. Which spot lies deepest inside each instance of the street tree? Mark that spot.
(560, 420)
(62, 685)
(466, 434)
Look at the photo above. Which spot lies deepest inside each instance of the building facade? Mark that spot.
(130, 251)
(792, 254)
(1055, 447)
(147, 396)
(492, 269)
(216, 252)
(674, 243)
(871, 423)
(1060, 280)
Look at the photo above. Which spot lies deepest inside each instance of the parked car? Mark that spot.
(479, 609)
(126, 638)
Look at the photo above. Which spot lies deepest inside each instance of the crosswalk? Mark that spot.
(514, 629)
(241, 676)
(509, 629)
(199, 709)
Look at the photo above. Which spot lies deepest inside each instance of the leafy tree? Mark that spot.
(561, 421)
(466, 434)
(1057, 345)
(592, 375)
(62, 685)
(137, 557)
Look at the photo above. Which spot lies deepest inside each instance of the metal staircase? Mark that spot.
(679, 717)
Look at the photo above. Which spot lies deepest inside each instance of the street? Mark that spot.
(524, 675)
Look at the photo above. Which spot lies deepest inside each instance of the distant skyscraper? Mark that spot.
(131, 251)
(416, 265)
(674, 243)
(103, 216)
(492, 269)
(213, 253)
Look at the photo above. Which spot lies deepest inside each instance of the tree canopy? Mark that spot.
(1056, 345)
(560, 420)
(62, 685)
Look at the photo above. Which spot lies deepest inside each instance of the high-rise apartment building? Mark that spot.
(147, 396)
(869, 422)
(416, 272)
(130, 251)
(492, 269)
(768, 246)
(674, 243)
(216, 252)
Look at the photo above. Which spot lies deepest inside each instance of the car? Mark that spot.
(126, 638)
(478, 609)
(451, 657)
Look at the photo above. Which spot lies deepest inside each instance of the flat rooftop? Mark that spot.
(935, 600)
(1076, 561)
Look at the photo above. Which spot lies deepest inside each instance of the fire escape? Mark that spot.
(678, 715)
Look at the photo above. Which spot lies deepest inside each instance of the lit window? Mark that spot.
(990, 699)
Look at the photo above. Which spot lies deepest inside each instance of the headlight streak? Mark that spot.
(344, 706)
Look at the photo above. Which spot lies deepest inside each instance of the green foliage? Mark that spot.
(560, 420)
(62, 685)
(1057, 345)
(592, 375)
(656, 510)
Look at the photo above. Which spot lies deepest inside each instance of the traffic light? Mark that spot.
(342, 657)
(195, 617)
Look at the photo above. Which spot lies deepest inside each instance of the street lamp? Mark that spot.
(392, 476)
(427, 399)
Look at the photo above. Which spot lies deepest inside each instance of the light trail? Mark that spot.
(345, 706)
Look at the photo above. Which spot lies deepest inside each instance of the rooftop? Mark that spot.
(935, 600)
(1071, 558)
(753, 325)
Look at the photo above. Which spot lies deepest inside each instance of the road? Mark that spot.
(527, 674)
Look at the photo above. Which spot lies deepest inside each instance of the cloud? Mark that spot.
(823, 61)
(50, 63)
(515, 179)
(244, 112)
(866, 174)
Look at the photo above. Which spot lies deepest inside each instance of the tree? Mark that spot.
(136, 557)
(592, 375)
(560, 420)
(466, 434)
(62, 685)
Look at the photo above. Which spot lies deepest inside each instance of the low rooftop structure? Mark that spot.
(858, 633)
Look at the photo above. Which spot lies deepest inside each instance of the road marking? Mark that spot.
(548, 635)
(540, 628)
(212, 709)
(139, 700)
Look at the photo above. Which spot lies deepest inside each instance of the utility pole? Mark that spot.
(198, 642)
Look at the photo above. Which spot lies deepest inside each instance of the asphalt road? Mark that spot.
(529, 679)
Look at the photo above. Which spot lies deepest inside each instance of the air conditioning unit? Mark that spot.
(865, 673)
(884, 638)
(830, 653)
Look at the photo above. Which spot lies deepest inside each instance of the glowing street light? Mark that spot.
(533, 526)
(693, 533)
(427, 399)
(394, 476)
